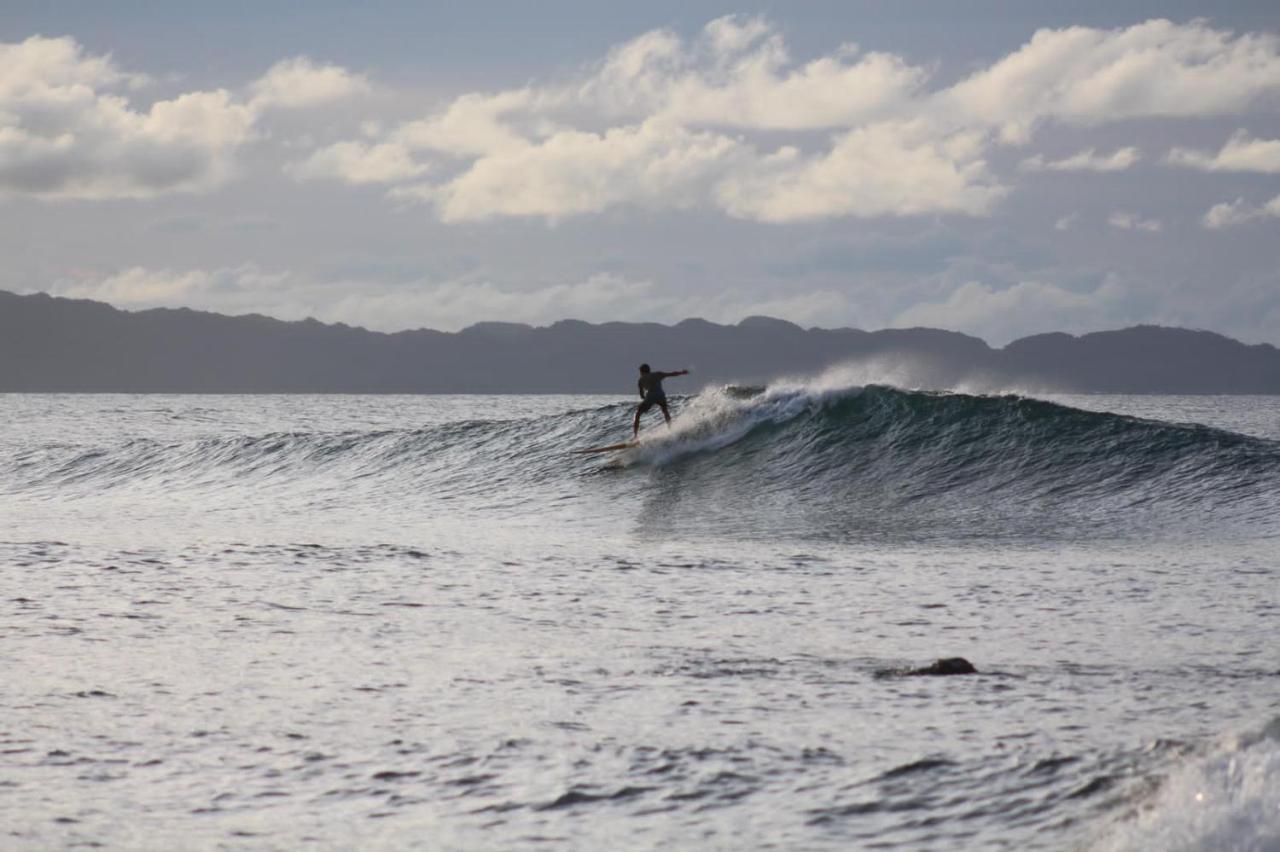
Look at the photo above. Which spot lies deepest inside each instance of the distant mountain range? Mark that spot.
(54, 344)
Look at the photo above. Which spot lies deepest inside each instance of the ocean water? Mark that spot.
(422, 622)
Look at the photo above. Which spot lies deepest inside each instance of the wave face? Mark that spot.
(884, 456)
(797, 459)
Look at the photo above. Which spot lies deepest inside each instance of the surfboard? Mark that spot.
(623, 446)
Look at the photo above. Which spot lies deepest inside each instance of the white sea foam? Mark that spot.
(1228, 799)
(720, 416)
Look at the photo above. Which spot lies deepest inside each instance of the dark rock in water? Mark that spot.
(943, 666)
(947, 666)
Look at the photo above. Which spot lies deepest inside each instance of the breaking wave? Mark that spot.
(824, 457)
(1226, 798)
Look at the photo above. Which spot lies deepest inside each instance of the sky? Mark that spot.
(996, 168)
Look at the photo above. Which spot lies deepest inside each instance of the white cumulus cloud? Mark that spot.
(730, 120)
(1088, 160)
(657, 124)
(475, 125)
(1000, 315)
(739, 73)
(357, 163)
(300, 82)
(726, 119)
(68, 132)
(1229, 214)
(443, 305)
(573, 172)
(1125, 221)
(1240, 153)
(230, 289)
(887, 169)
(1087, 76)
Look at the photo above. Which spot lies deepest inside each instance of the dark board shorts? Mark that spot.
(651, 400)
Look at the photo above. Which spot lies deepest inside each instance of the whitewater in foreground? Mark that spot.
(399, 622)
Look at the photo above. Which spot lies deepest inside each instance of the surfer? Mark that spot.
(651, 394)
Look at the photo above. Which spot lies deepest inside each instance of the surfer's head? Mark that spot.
(644, 368)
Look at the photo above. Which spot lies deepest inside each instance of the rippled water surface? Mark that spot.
(422, 622)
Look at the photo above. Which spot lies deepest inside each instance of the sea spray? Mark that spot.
(1227, 797)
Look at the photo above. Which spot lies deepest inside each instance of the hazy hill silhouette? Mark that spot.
(53, 344)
